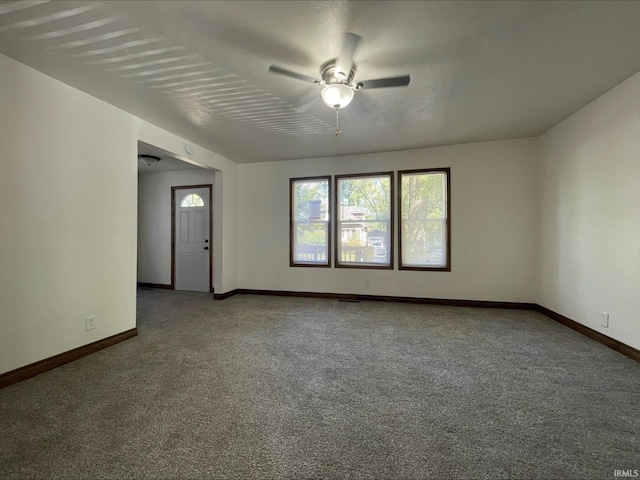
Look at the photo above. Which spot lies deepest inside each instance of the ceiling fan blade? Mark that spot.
(345, 61)
(385, 82)
(289, 73)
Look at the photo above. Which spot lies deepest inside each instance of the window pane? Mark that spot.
(192, 200)
(423, 218)
(311, 243)
(366, 244)
(310, 221)
(364, 221)
(424, 243)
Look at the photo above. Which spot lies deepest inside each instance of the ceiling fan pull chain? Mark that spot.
(337, 123)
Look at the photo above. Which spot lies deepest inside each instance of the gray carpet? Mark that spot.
(272, 387)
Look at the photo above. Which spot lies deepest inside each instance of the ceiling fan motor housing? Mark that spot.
(328, 71)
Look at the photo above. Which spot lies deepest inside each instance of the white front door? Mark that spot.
(192, 245)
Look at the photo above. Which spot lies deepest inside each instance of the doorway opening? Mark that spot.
(160, 183)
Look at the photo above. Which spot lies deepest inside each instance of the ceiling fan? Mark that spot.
(338, 77)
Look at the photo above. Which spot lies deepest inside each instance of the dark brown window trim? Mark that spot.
(447, 267)
(292, 262)
(336, 211)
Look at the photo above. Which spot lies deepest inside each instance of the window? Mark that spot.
(192, 200)
(425, 221)
(364, 206)
(310, 227)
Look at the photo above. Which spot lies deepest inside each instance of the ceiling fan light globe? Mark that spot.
(337, 95)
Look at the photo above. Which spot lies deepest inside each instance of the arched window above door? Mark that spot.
(192, 200)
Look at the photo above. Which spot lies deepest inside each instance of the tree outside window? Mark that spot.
(424, 227)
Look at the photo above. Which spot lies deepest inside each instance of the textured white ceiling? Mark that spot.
(479, 70)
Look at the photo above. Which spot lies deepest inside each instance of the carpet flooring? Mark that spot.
(277, 387)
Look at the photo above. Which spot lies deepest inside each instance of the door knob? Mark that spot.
(206, 248)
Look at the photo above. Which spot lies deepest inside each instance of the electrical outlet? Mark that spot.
(90, 322)
(366, 283)
(604, 319)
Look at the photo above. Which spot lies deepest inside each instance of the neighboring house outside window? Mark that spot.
(364, 220)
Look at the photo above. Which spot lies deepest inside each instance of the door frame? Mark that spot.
(173, 231)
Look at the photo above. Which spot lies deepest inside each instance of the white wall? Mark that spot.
(154, 220)
(68, 196)
(68, 216)
(493, 187)
(590, 214)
